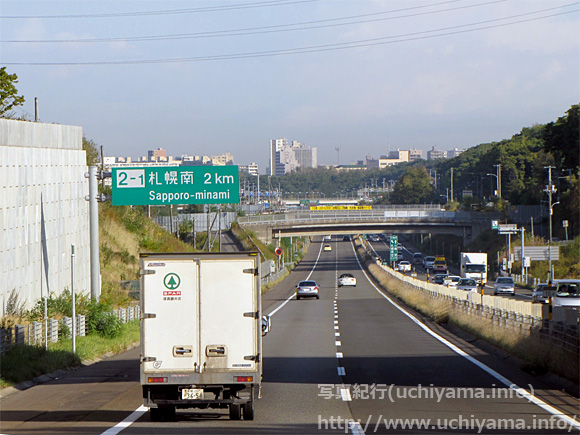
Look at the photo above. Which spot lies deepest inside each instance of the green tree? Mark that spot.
(92, 151)
(562, 139)
(414, 187)
(9, 98)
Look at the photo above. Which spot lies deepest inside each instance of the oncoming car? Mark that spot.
(538, 293)
(451, 280)
(347, 279)
(439, 278)
(467, 284)
(428, 262)
(504, 284)
(567, 293)
(404, 266)
(307, 289)
(327, 248)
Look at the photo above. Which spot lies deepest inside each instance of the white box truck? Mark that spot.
(474, 265)
(201, 332)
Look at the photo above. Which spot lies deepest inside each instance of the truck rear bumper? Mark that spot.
(215, 396)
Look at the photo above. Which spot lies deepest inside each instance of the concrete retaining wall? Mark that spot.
(42, 210)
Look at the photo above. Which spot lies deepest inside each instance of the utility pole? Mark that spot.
(451, 184)
(550, 190)
(337, 155)
(523, 271)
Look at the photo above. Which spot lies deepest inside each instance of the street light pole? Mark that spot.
(498, 176)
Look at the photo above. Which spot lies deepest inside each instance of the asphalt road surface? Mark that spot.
(352, 362)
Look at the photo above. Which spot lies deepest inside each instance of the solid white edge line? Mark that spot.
(356, 428)
(521, 391)
(127, 422)
(293, 294)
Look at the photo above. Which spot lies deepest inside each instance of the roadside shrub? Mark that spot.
(102, 321)
(58, 306)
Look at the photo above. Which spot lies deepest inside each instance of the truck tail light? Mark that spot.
(156, 380)
(243, 378)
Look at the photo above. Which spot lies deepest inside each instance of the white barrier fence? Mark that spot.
(34, 333)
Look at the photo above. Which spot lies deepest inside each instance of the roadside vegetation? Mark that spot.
(124, 233)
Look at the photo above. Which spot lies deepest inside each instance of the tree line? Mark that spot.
(523, 159)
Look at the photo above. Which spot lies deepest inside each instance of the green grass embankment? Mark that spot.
(25, 362)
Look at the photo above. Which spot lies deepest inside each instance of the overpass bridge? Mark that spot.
(390, 219)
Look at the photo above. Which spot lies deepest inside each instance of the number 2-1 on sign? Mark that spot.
(131, 178)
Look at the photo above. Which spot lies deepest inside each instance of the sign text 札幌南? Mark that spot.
(176, 185)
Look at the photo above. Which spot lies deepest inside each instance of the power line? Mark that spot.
(307, 25)
(312, 49)
(165, 12)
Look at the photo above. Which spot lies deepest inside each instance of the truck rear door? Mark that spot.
(170, 328)
(228, 314)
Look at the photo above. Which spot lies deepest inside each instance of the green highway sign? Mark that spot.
(394, 247)
(176, 185)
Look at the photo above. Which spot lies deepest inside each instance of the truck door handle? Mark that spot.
(182, 351)
(216, 350)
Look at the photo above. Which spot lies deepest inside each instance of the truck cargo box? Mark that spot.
(201, 332)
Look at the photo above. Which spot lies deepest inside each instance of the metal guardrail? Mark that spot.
(34, 333)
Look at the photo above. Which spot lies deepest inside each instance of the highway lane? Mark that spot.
(382, 249)
(352, 329)
(397, 370)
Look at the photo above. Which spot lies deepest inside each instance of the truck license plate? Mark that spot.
(192, 393)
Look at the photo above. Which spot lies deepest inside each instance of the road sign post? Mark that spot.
(176, 185)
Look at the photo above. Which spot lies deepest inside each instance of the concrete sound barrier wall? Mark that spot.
(43, 211)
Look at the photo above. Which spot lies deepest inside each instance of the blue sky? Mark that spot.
(415, 74)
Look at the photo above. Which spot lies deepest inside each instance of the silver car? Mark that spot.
(538, 293)
(568, 293)
(428, 262)
(504, 284)
(467, 284)
(307, 289)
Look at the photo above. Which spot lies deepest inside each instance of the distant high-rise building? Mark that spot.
(286, 157)
(158, 155)
(393, 158)
(415, 154)
(222, 160)
(454, 153)
(251, 169)
(434, 153)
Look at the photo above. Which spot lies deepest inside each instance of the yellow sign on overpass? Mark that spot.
(340, 207)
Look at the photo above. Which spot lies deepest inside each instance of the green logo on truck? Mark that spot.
(171, 281)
